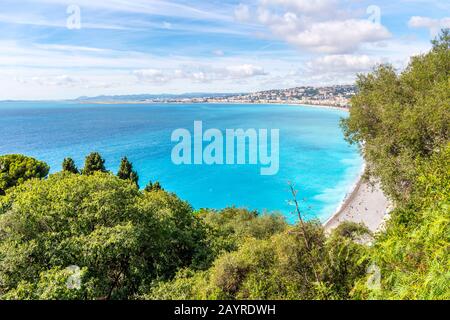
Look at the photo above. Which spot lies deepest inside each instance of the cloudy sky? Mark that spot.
(53, 49)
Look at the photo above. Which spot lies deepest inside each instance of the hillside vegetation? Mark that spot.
(90, 234)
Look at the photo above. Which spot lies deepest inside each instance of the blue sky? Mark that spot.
(53, 49)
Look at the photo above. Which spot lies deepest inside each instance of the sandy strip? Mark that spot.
(366, 204)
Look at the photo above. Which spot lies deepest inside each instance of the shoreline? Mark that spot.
(225, 102)
(365, 204)
(351, 192)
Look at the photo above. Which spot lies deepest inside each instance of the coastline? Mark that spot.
(224, 102)
(365, 204)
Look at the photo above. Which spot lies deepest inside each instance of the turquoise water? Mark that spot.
(313, 153)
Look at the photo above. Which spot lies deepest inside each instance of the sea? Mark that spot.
(313, 155)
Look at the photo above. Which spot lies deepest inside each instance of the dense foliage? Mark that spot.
(93, 163)
(16, 169)
(276, 267)
(153, 186)
(126, 171)
(402, 119)
(402, 124)
(120, 238)
(68, 165)
(413, 253)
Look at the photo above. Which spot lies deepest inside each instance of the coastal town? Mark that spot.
(335, 96)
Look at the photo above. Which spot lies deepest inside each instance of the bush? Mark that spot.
(15, 169)
(278, 267)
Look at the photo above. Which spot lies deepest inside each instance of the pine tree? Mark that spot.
(126, 171)
(153, 186)
(68, 165)
(94, 162)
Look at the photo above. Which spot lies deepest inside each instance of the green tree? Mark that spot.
(156, 186)
(401, 122)
(126, 171)
(400, 118)
(230, 227)
(16, 169)
(93, 162)
(278, 267)
(412, 254)
(121, 239)
(68, 165)
(346, 261)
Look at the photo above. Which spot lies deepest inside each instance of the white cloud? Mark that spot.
(244, 71)
(167, 25)
(218, 53)
(39, 68)
(337, 36)
(152, 75)
(60, 80)
(433, 25)
(201, 73)
(64, 81)
(242, 13)
(318, 25)
(306, 6)
(342, 63)
(40, 20)
(328, 70)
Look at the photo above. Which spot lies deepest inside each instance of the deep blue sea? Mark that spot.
(313, 153)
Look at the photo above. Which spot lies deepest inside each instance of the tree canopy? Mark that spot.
(68, 165)
(120, 238)
(15, 169)
(399, 119)
(153, 186)
(93, 162)
(126, 171)
(402, 125)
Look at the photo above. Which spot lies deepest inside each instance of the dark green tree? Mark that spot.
(94, 162)
(153, 186)
(68, 165)
(126, 171)
(16, 169)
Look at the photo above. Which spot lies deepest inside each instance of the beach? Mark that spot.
(365, 204)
